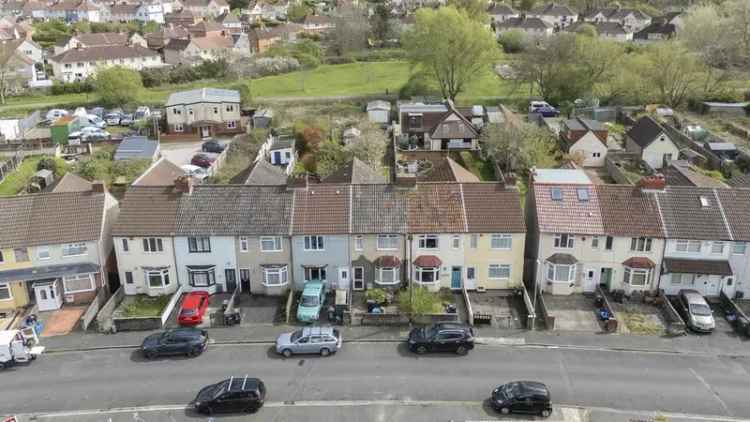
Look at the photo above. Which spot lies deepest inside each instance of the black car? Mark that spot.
(179, 341)
(236, 394)
(212, 146)
(522, 397)
(442, 337)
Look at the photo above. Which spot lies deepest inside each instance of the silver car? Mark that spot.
(309, 340)
(699, 315)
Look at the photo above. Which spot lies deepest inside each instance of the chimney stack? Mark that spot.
(655, 182)
(406, 180)
(184, 184)
(97, 186)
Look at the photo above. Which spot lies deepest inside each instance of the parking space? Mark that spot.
(639, 318)
(499, 309)
(575, 312)
(181, 153)
(254, 310)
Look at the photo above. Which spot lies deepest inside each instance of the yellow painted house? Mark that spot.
(14, 294)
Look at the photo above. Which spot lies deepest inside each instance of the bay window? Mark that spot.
(79, 283)
(387, 276)
(636, 277)
(157, 278)
(427, 274)
(275, 275)
(561, 273)
(201, 275)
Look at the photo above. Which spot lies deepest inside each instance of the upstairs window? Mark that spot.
(564, 241)
(640, 244)
(428, 241)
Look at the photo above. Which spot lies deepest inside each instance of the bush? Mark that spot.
(47, 163)
(419, 302)
(78, 87)
(378, 295)
(513, 41)
(418, 85)
(118, 85)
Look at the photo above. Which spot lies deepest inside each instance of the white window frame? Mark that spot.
(717, 243)
(6, 286)
(735, 248)
(244, 244)
(77, 277)
(81, 247)
(125, 245)
(315, 243)
(231, 124)
(384, 241)
(44, 249)
(199, 244)
(594, 242)
(564, 241)
(500, 239)
(683, 245)
(424, 238)
(322, 272)
(419, 271)
(380, 270)
(210, 277)
(681, 279)
(474, 241)
(456, 242)
(132, 279)
(156, 247)
(356, 279)
(359, 243)
(498, 267)
(641, 244)
(571, 269)
(163, 276)
(178, 127)
(630, 272)
(277, 246)
(281, 272)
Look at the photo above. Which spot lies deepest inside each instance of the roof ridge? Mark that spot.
(723, 214)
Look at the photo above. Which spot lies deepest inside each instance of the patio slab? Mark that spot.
(575, 312)
(502, 305)
(61, 321)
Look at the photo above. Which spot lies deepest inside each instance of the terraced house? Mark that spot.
(55, 248)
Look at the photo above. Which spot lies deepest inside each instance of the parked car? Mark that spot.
(212, 146)
(100, 135)
(126, 120)
(236, 394)
(698, 315)
(193, 308)
(55, 114)
(177, 341)
(96, 121)
(113, 119)
(98, 111)
(142, 112)
(311, 301)
(202, 160)
(543, 108)
(522, 397)
(157, 113)
(315, 339)
(195, 171)
(442, 337)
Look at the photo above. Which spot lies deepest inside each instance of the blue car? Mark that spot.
(312, 300)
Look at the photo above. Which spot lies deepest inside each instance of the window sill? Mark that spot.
(272, 251)
(199, 251)
(383, 283)
(380, 249)
(498, 279)
(274, 285)
(314, 250)
(68, 292)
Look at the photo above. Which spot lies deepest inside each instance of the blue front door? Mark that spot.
(276, 157)
(456, 278)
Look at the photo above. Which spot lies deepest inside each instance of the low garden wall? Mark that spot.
(170, 306)
(675, 324)
(104, 317)
(92, 311)
(469, 310)
(530, 311)
(742, 324)
(142, 323)
(549, 320)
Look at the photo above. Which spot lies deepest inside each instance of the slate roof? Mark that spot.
(266, 174)
(98, 39)
(491, 207)
(436, 208)
(501, 9)
(684, 217)
(523, 23)
(355, 172)
(50, 218)
(553, 9)
(233, 210)
(740, 181)
(681, 173)
(103, 53)
(645, 131)
(379, 209)
(627, 211)
(321, 209)
(201, 95)
(736, 205)
(71, 182)
(178, 44)
(148, 211)
(136, 148)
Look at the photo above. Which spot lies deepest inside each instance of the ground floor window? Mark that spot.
(79, 283)
(178, 127)
(201, 276)
(427, 274)
(315, 274)
(683, 279)
(387, 275)
(275, 276)
(560, 272)
(5, 292)
(636, 277)
(231, 124)
(499, 272)
(158, 278)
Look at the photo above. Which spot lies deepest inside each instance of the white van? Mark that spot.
(17, 346)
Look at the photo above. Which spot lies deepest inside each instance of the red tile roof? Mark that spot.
(427, 261)
(322, 209)
(639, 262)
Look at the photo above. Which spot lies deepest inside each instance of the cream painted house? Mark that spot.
(649, 140)
(585, 138)
(80, 63)
(204, 112)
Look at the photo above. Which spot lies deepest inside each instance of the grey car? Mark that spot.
(309, 340)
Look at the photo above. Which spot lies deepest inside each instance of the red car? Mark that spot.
(193, 308)
(202, 160)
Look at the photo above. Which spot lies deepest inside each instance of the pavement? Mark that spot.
(377, 373)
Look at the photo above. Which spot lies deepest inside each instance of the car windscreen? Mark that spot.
(218, 389)
(700, 309)
(296, 335)
(310, 301)
(511, 390)
(188, 312)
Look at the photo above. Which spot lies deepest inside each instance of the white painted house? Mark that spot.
(651, 142)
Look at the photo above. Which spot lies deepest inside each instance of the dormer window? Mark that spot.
(556, 194)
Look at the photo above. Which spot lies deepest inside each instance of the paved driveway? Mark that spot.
(180, 152)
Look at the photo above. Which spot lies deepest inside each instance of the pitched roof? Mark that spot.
(378, 209)
(571, 213)
(524, 23)
(278, 31)
(178, 44)
(645, 131)
(453, 125)
(491, 207)
(103, 53)
(317, 20)
(201, 95)
(682, 173)
(740, 181)
(136, 147)
(685, 216)
(213, 42)
(265, 173)
(436, 208)
(148, 211)
(627, 211)
(459, 173)
(71, 182)
(51, 218)
(322, 209)
(736, 206)
(227, 17)
(124, 9)
(231, 210)
(500, 9)
(97, 39)
(355, 172)
(162, 173)
(553, 9)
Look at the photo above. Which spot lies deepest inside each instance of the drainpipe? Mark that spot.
(176, 269)
(409, 266)
(663, 255)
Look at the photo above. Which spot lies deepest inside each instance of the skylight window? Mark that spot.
(556, 194)
(704, 201)
(583, 194)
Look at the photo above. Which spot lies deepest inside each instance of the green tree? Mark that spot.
(330, 157)
(50, 32)
(450, 47)
(239, 4)
(297, 12)
(370, 147)
(419, 301)
(148, 27)
(351, 31)
(475, 9)
(518, 146)
(587, 29)
(246, 93)
(380, 21)
(118, 85)
(527, 4)
(513, 41)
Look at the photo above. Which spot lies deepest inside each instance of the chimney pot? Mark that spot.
(655, 182)
(184, 184)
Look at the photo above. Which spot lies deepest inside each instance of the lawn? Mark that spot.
(17, 180)
(483, 169)
(351, 79)
(145, 306)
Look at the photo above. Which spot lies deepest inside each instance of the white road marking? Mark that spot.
(712, 391)
(500, 341)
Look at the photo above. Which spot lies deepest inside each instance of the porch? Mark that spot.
(49, 286)
(708, 277)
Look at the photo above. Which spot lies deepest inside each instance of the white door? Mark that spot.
(711, 286)
(589, 280)
(47, 295)
(343, 278)
(728, 287)
(205, 131)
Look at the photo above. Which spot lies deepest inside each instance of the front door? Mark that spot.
(231, 278)
(276, 157)
(48, 295)
(205, 131)
(589, 284)
(359, 278)
(245, 280)
(711, 285)
(606, 277)
(456, 278)
(343, 278)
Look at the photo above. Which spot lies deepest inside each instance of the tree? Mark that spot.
(246, 93)
(239, 4)
(587, 29)
(475, 9)
(450, 47)
(13, 71)
(719, 33)
(118, 85)
(419, 301)
(518, 146)
(351, 31)
(297, 12)
(513, 41)
(370, 147)
(380, 22)
(527, 4)
(330, 157)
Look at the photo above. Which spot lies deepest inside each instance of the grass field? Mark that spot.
(352, 79)
(16, 181)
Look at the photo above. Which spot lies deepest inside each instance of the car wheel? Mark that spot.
(462, 350)
(546, 412)
(287, 353)
(208, 411)
(150, 355)
(421, 350)
(324, 352)
(195, 351)
(504, 410)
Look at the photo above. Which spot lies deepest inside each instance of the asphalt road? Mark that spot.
(384, 371)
